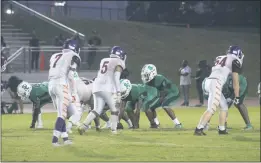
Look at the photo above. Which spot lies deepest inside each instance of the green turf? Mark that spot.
(19, 143)
(164, 46)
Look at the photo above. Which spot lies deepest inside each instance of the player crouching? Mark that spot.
(168, 92)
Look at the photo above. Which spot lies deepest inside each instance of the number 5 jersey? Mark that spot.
(105, 78)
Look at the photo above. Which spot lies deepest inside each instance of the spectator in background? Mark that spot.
(3, 44)
(185, 81)
(34, 45)
(94, 41)
(201, 73)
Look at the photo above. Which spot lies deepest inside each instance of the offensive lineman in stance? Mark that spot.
(224, 65)
(59, 76)
(228, 93)
(136, 96)
(108, 80)
(169, 92)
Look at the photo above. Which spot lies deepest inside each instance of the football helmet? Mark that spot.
(118, 52)
(236, 51)
(125, 88)
(23, 90)
(148, 72)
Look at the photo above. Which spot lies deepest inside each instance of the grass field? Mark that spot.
(19, 143)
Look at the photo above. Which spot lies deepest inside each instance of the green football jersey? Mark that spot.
(148, 96)
(40, 94)
(228, 90)
(164, 85)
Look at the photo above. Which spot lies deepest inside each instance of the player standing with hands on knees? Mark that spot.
(224, 65)
(61, 65)
(104, 86)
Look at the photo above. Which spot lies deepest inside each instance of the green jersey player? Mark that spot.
(38, 94)
(228, 93)
(169, 92)
(137, 96)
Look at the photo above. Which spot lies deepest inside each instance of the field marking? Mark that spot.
(178, 145)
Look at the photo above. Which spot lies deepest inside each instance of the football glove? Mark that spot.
(237, 101)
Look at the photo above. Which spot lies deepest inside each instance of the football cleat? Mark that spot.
(199, 132)
(178, 126)
(67, 142)
(222, 132)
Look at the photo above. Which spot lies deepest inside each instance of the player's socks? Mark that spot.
(176, 121)
(64, 134)
(69, 126)
(58, 129)
(91, 116)
(221, 128)
(39, 121)
(129, 123)
(200, 126)
(114, 122)
(156, 121)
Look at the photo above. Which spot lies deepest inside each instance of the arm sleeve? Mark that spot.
(117, 75)
(71, 78)
(236, 66)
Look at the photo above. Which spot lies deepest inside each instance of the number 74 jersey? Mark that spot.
(223, 67)
(105, 78)
(60, 64)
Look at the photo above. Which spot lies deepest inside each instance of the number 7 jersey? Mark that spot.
(60, 64)
(223, 67)
(105, 78)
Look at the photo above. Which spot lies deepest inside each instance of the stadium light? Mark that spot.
(9, 11)
(59, 3)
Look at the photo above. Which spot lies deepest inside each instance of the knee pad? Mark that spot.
(115, 113)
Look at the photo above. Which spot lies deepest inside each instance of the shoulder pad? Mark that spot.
(76, 59)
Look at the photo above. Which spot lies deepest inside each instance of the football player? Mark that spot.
(61, 65)
(228, 93)
(137, 96)
(169, 92)
(107, 80)
(224, 65)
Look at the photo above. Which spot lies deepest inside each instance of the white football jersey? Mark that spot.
(105, 78)
(84, 91)
(223, 67)
(60, 64)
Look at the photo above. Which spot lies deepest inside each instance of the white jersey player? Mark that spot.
(107, 80)
(82, 93)
(224, 65)
(61, 65)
